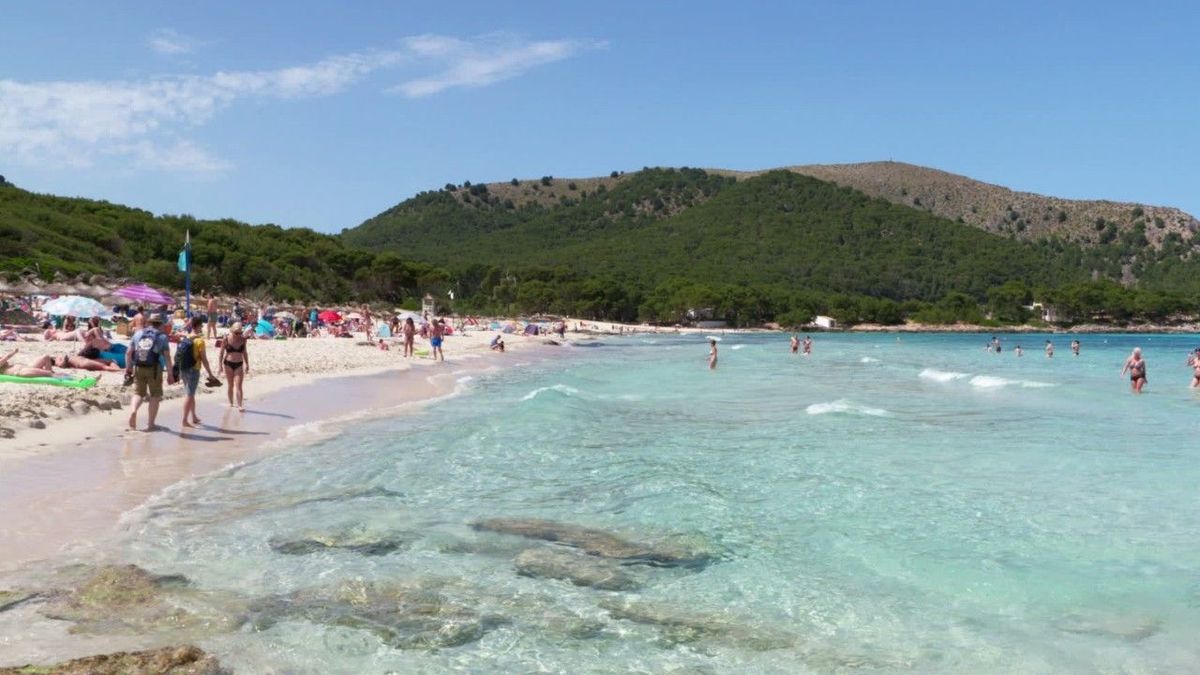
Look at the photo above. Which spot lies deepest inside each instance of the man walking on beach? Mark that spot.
(437, 334)
(189, 356)
(149, 354)
(211, 312)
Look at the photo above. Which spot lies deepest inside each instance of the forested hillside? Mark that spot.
(647, 245)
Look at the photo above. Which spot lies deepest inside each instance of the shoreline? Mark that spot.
(67, 491)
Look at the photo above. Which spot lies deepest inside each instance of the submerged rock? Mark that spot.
(186, 660)
(597, 542)
(125, 598)
(354, 542)
(404, 617)
(11, 599)
(581, 570)
(678, 626)
(1128, 627)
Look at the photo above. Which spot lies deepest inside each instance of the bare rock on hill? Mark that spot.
(579, 569)
(185, 660)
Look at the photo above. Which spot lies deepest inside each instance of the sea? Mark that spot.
(889, 503)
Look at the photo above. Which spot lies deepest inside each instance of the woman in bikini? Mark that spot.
(236, 362)
(42, 367)
(1194, 362)
(1135, 365)
(94, 340)
(410, 332)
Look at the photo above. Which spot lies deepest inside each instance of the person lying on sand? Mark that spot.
(84, 363)
(11, 335)
(42, 367)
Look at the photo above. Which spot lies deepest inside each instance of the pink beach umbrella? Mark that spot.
(144, 293)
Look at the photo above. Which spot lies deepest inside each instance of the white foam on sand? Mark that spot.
(942, 375)
(845, 407)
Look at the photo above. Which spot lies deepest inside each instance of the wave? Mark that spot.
(560, 388)
(713, 337)
(846, 407)
(737, 347)
(992, 382)
(868, 359)
(941, 375)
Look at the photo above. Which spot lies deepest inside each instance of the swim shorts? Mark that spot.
(436, 342)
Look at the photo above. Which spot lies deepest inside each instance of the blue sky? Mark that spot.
(322, 114)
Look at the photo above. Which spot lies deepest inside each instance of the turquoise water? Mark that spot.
(884, 505)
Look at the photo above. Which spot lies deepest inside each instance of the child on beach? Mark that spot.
(437, 334)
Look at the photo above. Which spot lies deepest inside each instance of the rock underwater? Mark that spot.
(599, 542)
(579, 569)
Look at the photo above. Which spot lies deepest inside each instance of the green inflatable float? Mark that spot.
(85, 383)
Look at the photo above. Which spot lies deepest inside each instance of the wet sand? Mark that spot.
(70, 501)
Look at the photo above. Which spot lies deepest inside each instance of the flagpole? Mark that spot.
(187, 274)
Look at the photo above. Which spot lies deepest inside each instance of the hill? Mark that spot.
(1022, 215)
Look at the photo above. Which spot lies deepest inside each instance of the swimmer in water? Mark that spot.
(1075, 347)
(795, 343)
(1018, 351)
(1049, 349)
(807, 345)
(1194, 362)
(1135, 365)
(712, 355)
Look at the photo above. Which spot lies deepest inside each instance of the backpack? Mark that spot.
(185, 354)
(145, 349)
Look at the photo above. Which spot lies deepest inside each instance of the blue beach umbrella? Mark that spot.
(76, 306)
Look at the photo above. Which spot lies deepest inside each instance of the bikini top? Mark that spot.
(230, 349)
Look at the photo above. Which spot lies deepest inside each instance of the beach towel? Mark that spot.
(85, 383)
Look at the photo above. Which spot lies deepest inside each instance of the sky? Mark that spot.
(323, 114)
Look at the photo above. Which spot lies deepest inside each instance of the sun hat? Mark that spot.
(236, 327)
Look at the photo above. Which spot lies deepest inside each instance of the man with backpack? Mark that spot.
(189, 356)
(145, 362)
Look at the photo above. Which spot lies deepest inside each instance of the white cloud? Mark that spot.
(142, 122)
(171, 43)
(474, 65)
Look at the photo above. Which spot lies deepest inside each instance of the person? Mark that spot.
(1019, 352)
(211, 318)
(562, 329)
(367, 324)
(189, 357)
(437, 334)
(149, 354)
(312, 319)
(94, 340)
(138, 322)
(83, 363)
(236, 362)
(1194, 362)
(712, 354)
(497, 343)
(807, 345)
(1135, 365)
(795, 343)
(1049, 349)
(42, 367)
(995, 344)
(1075, 347)
(69, 325)
(410, 332)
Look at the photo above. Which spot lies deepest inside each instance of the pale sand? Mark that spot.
(65, 488)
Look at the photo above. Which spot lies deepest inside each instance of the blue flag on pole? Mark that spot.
(183, 260)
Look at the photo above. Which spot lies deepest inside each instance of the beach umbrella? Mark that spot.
(285, 315)
(77, 306)
(329, 316)
(354, 315)
(144, 293)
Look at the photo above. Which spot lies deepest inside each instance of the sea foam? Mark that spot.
(560, 388)
(941, 375)
(993, 382)
(868, 359)
(845, 407)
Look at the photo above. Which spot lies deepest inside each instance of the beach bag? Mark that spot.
(145, 351)
(185, 355)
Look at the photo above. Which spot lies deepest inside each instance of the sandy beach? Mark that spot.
(70, 469)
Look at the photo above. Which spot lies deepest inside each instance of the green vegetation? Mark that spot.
(649, 246)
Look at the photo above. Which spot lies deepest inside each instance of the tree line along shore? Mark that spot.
(661, 246)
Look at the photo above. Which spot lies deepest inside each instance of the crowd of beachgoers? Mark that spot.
(57, 367)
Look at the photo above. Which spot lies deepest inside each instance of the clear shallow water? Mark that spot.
(883, 505)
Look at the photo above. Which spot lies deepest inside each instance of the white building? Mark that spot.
(825, 322)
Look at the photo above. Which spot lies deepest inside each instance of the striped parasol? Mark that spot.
(144, 293)
(76, 306)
